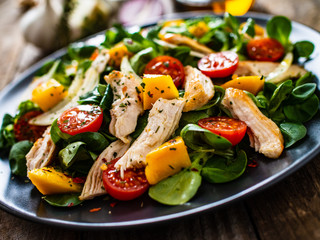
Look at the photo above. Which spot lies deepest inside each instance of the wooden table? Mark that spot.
(288, 210)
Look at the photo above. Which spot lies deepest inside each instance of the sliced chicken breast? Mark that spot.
(42, 152)
(199, 89)
(264, 134)
(179, 39)
(257, 68)
(93, 186)
(162, 122)
(127, 105)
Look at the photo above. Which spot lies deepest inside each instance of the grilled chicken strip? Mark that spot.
(257, 68)
(179, 39)
(93, 186)
(162, 122)
(264, 134)
(199, 89)
(127, 105)
(42, 152)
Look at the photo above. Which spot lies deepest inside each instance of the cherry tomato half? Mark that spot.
(83, 118)
(167, 65)
(229, 128)
(25, 131)
(219, 65)
(131, 186)
(265, 49)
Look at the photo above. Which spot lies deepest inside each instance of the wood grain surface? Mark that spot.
(287, 210)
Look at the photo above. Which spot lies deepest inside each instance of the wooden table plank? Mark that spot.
(290, 210)
(231, 222)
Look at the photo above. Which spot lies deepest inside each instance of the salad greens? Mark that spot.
(288, 102)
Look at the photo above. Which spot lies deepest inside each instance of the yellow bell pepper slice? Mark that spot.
(48, 94)
(49, 181)
(166, 160)
(252, 84)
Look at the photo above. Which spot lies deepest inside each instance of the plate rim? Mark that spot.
(248, 192)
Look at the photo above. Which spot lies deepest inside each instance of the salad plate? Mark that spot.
(22, 199)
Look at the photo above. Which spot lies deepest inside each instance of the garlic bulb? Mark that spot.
(39, 25)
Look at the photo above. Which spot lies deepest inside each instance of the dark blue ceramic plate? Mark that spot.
(23, 200)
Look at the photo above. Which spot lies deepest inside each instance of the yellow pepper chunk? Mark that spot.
(166, 160)
(48, 94)
(176, 22)
(199, 29)
(238, 7)
(117, 53)
(251, 84)
(157, 86)
(49, 181)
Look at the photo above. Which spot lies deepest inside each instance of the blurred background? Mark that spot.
(30, 29)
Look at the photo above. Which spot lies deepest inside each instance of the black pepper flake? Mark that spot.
(143, 85)
(137, 90)
(150, 94)
(162, 91)
(171, 167)
(160, 111)
(173, 149)
(157, 129)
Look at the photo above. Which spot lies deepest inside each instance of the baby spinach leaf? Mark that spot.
(94, 141)
(268, 89)
(181, 187)
(306, 78)
(93, 97)
(115, 35)
(279, 28)
(56, 135)
(218, 95)
(220, 170)
(178, 189)
(292, 132)
(141, 124)
(200, 139)
(302, 93)
(279, 95)
(26, 106)
(302, 112)
(79, 51)
(72, 153)
(248, 27)
(263, 101)
(7, 138)
(17, 157)
(139, 61)
(63, 200)
(303, 49)
(254, 99)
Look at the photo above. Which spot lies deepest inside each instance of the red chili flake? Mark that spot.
(252, 164)
(79, 179)
(95, 209)
(70, 204)
(113, 204)
(194, 170)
